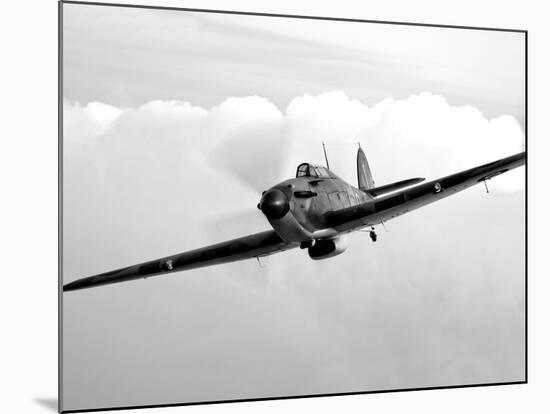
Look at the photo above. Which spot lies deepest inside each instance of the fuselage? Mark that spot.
(296, 207)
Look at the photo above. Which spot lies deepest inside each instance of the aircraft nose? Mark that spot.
(274, 204)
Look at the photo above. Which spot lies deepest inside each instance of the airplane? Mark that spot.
(314, 211)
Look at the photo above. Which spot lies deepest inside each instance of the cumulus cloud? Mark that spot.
(260, 144)
(143, 182)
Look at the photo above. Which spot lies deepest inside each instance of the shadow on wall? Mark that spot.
(49, 403)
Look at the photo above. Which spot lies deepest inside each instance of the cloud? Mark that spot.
(165, 177)
(252, 139)
(83, 123)
(207, 57)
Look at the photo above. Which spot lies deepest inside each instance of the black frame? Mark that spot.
(213, 11)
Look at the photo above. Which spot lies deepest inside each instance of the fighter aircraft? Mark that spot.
(314, 211)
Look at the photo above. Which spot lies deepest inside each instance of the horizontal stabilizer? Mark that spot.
(388, 188)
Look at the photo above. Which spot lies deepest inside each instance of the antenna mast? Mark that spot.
(326, 158)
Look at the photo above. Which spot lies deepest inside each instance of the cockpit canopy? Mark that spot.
(315, 171)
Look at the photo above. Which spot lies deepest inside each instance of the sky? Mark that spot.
(174, 123)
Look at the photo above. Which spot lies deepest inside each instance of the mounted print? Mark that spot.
(259, 206)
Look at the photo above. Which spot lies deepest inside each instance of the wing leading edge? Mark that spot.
(254, 245)
(385, 208)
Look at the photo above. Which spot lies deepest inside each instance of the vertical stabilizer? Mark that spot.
(364, 175)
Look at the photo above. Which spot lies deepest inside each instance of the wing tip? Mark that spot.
(70, 286)
(77, 285)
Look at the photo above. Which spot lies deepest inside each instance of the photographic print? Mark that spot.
(266, 206)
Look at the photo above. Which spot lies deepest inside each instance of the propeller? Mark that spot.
(254, 155)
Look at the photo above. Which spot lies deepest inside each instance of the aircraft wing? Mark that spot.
(385, 208)
(254, 245)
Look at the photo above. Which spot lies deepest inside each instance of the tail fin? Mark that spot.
(364, 176)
